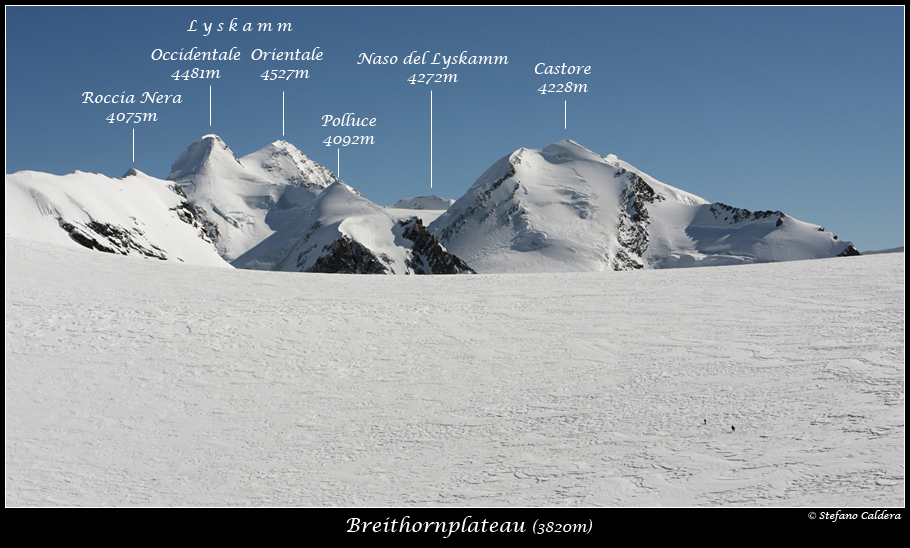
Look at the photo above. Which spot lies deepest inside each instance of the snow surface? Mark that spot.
(140, 383)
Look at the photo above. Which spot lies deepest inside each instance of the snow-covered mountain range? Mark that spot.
(276, 209)
(341, 231)
(556, 209)
(565, 208)
(234, 196)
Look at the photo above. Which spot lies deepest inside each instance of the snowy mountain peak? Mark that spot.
(343, 232)
(281, 147)
(339, 191)
(136, 215)
(207, 152)
(568, 150)
(282, 144)
(241, 202)
(283, 163)
(568, 144)
(557, 208)
(563, 207)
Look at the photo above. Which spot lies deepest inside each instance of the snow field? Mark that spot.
(136, 382)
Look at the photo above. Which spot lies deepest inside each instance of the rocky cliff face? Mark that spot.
(632, 230)
(484, 205)
(111, 239)
(346, 256)
(737, 215)
(428, 256)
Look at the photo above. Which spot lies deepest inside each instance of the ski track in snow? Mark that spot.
(134, 382)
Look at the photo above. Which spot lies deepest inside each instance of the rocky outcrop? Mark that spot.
(428, 256)
(738, 215)
(632, 230)
(849, 252)
(111, 238)
(195, 216)
(346, 256)
(122, 240)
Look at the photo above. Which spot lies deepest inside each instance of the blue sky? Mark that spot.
(792, 109)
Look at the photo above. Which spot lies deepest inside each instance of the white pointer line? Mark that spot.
(282, 114)
(431, 138)
(339, 164)
(565, 115)
(210, 106)
(134, 144)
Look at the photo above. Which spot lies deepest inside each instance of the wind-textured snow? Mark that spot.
(144, 382)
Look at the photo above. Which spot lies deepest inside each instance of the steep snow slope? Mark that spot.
(565, 208)
(144, 383)
(135, 215)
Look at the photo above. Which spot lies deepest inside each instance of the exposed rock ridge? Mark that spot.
(633, 224)
(738, 215)
(428, 251)
(347, 256)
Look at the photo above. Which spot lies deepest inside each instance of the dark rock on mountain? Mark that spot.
(346, 256)
(428, 255)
